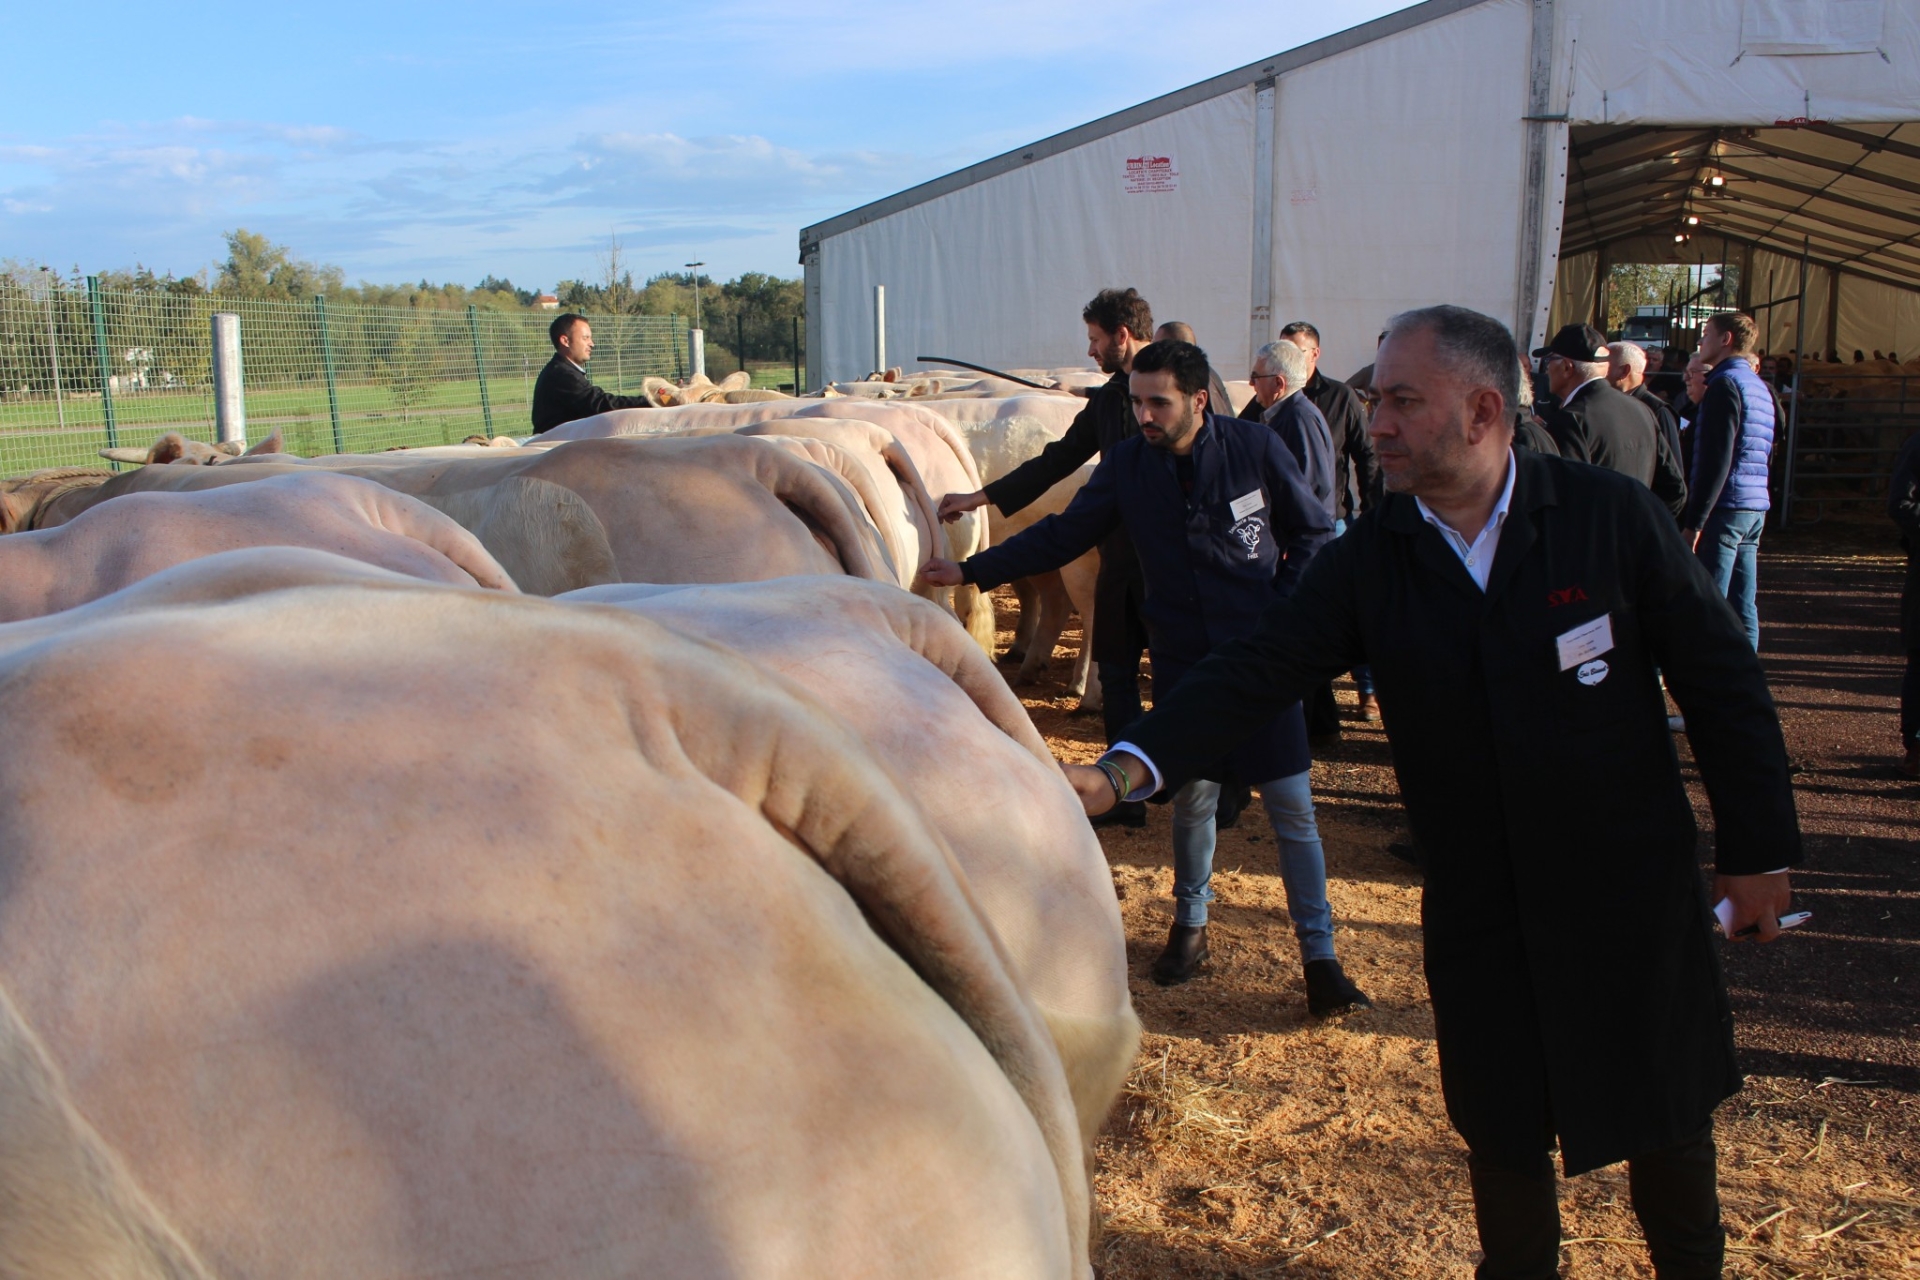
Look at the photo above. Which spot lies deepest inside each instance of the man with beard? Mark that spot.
(1515, 608)
(1118, 322)
(1223, 524)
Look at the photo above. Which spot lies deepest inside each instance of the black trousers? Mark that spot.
(1323, 713)
(1119, 696)
(1675, 1195)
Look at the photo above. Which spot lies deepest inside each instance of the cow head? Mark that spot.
(22, 497)
(174, 448)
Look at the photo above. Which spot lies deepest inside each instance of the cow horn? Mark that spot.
(274, 443)
(124, 454)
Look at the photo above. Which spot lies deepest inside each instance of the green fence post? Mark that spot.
(326, 360)
(100, 354)
(480, 367)
(797, 388)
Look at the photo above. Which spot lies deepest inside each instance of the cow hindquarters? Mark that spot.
(68, 1210)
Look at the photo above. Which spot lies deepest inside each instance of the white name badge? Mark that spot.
(1246, 504)
(1587, 641)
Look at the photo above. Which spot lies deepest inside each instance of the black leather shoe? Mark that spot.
(1128, 813)
(1330, 991)
(1186, 949)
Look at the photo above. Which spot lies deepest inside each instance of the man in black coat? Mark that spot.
(1281, 371)
(1627, 364)
(1356, 483)
(562, 392)
(1594, 423)
(1903, 508)
(1515, 609)
(1119, 322)
(1356, 473)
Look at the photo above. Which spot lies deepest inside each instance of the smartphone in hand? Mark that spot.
(1723, 912)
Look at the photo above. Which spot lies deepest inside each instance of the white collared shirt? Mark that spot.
(1477, 555)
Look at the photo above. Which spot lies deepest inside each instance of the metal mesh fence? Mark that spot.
(1849, 432)
(82, 368)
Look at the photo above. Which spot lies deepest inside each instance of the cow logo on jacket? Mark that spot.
(1249, 531)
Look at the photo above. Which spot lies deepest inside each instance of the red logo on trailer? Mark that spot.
(1148, 175)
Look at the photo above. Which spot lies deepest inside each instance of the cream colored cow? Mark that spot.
(408, 930)
(725, 509)
(906, 679)
(118, 543)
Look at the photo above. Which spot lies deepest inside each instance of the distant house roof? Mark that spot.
(547, 302)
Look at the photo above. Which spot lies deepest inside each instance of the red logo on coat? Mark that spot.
(1566, 595)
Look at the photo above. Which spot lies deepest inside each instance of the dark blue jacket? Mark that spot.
(1732, 444)
(1210, 573)
(1304, 430)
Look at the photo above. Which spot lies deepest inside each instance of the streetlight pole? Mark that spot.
(53, 347)
(696, 337)
(695, 268)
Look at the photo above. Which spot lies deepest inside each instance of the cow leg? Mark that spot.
(1082, 673)
(1092, 700)
(1078, 579)
(965, 536)
(1051, 619)
(1028, 595)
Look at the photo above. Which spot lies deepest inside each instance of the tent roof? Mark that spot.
(1251, 74)
(1850, 194)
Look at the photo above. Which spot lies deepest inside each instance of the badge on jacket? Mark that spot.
(1248, 531)
(1585, 642)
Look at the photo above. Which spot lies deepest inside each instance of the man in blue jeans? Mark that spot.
(1223, 523)
(1732, 446)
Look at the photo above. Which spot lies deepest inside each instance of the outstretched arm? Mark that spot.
(1309, 637)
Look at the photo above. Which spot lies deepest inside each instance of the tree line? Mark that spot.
(751, 315)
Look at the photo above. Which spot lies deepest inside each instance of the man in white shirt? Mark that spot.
(1515, 608)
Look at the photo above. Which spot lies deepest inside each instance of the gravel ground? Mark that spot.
(1253, 1141)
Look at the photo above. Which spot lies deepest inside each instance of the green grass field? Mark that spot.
(31, 436)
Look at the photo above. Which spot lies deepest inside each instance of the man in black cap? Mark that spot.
(1595, 423)
(562, 392)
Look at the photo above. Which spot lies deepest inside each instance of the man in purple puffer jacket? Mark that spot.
(1733, 443)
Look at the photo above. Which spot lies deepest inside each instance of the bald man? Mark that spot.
(1627, 364)
(1181, 331)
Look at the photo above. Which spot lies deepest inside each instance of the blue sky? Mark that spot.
(406, 141)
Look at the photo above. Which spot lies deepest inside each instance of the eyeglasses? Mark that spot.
(1256, 377)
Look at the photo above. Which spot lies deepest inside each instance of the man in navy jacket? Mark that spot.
(1223, 525)
(1733, 434)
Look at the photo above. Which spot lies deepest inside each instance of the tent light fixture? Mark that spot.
(1679, 237)
(1716, 181)
(1693, 219)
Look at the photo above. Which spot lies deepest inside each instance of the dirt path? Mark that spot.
(1253, 1141)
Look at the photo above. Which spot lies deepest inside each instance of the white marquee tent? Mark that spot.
(1493, 153)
